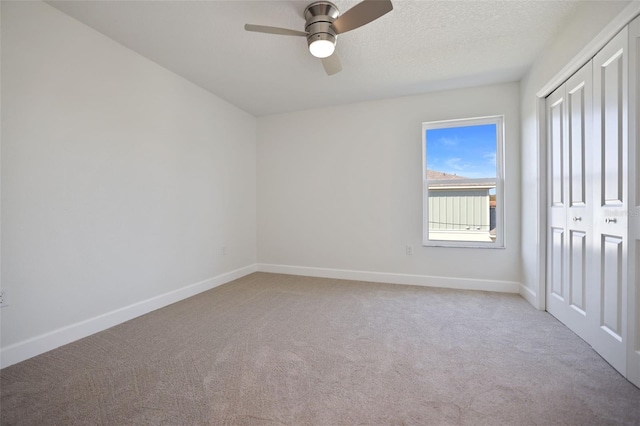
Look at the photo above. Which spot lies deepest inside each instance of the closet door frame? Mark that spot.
(633, 301)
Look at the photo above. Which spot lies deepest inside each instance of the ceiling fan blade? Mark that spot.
(361, 14)
(273, 30)
(332, 64)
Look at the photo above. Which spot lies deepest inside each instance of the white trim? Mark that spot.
(541, 185)
(529, 295)
(40, 344)
(627, 15)
(394, 278)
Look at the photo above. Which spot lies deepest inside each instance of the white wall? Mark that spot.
(120, 180)
(591, 18)
(341, 187)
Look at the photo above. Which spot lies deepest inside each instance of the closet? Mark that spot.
(593, 245)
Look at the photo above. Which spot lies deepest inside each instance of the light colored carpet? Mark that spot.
(273, 349)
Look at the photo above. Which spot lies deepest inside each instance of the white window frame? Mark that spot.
(499, 242)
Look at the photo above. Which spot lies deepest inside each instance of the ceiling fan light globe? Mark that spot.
(322, 48)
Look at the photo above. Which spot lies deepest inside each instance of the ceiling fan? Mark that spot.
(323, 25)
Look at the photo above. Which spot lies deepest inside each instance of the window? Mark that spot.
(463, 203)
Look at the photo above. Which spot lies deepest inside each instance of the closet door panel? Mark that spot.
(579, 121)
(608, 298)
(557, 277)
(556, 135)
(578, 265)
(579, 209)
(612, 85)
(557, 267)
(611, 286)
(569, 117)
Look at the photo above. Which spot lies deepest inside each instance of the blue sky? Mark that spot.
(468, 151)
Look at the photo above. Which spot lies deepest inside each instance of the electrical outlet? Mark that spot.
(223, 251)
(4, 301)
(409, 250)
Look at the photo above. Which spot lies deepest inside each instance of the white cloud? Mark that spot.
(456, 163)
(448, 141)
(490, 157)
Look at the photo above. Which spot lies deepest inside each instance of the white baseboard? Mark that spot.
(40, 344)
(393, 278)
(529, 295)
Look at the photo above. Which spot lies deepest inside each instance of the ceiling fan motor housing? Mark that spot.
(320, 15)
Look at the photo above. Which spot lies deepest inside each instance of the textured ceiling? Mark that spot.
(418, 47)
